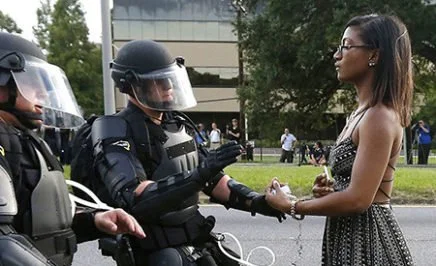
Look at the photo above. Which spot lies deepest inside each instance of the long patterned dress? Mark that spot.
(370, 238)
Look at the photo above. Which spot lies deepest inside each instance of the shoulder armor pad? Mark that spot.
(107, 127)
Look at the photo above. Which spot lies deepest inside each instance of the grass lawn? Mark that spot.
(275, 159)
(411, 185)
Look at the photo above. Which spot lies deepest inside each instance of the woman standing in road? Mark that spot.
(361, 229)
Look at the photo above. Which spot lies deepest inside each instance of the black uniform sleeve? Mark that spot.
(84, 227)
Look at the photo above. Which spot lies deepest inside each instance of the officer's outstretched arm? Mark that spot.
(232, 194)
(121, 171)
(15, 249)
(160, 197)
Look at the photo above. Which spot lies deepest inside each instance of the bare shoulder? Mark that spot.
(381, 119)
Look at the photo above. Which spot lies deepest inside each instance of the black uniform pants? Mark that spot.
(423, 153)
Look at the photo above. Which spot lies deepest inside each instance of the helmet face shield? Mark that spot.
(165, 89)
(46, 85)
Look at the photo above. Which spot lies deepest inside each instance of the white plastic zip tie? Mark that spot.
(245, 262)
(97, 204)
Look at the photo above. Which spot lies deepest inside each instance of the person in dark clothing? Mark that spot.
(424, 141)
(304, 149)
(317, 156)
(234, 132)
(150, 166)
(37, 223)
(201, 136)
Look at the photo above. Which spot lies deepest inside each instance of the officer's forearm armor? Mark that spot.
(166, 195)
(244, 198)
(240, 195)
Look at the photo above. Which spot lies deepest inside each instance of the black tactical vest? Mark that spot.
(165, 150)
(44, 208)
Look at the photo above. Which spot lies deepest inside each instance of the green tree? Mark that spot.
(8, 24)
(426, 88)
(41, 31)
(63, 33)
(289, 45)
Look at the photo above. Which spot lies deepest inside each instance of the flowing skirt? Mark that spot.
(372, 238)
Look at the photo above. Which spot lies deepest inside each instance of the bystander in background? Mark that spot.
(288, 141)
(201, 136)
(317, 157)
(233, 132)
(215, 136)
(424, 141)
(303, 151)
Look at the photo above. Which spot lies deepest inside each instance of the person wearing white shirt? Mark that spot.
(287, 140)
(215, 137)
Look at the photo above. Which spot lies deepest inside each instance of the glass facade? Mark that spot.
(174, 20)
(213, 76)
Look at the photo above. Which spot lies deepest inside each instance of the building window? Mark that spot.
(121, 29)
(148, 29)
(213, 76)
(135, 30)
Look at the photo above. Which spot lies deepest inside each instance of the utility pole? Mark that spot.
(106, 49)
(237, 4)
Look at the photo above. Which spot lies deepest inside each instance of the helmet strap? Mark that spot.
(12, 95)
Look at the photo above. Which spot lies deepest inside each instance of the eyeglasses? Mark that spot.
(348, 47)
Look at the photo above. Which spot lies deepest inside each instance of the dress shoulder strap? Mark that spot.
(362, 114)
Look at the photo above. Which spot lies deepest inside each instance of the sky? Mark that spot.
(23, 12)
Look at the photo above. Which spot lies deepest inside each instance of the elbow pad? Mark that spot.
(116, 163)
(166, 195)
(118, 173)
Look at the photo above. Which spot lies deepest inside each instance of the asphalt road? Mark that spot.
(293, 242)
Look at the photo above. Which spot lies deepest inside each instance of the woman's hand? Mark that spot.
(276, 198)
(118, 221)
(321, 186)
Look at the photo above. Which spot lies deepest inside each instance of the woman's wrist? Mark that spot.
(293, 210)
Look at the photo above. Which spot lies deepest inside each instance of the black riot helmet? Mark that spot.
(24, 69)
(145, 70)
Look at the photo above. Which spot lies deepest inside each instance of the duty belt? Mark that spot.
(59, 246)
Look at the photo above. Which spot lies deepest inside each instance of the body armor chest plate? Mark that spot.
(178, 153)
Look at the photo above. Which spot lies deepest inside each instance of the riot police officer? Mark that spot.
(149, 164)
(37, 226)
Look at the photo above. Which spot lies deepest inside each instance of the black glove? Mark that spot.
(259, 205)
(218, 159)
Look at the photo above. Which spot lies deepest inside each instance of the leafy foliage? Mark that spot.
(8, 24)
(288, 47)
(63, 33)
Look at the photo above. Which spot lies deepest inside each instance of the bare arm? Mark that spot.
(376, 135)
(424, 128)
(222, 192)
